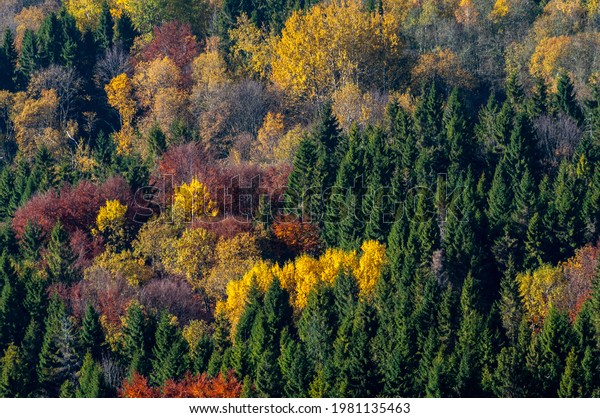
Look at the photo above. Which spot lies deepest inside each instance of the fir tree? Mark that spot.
(168, 352)
(125, 32)
(564, 99)
(105, 31)
(8, 61)
(58, 356)
(156, 140)
(134, 339)
(294, 367)
(49, 39)
(28, 59)
(13, 372)
(60, 256)
(90, 379)
(92, 336)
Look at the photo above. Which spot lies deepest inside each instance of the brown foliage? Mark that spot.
(299, 237)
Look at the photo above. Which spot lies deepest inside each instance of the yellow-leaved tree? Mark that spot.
(540, 290)
(110, 222)
(300, 276)
(192, 201)
(335, 43)
(120, 96)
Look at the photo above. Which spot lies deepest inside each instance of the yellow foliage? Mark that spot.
(152, 77)
(541, 290)
(35, 122)
(120, 96)
(269, 135)
(501, 9)
(287, 146)
(132, 268)
(193, 331)
(333, 44)
(209, 70)
(233, 258)
(442, 63)
(28, 18)
(192, 255)
(252, 49)
(192, 201)
(301, 276)
(466, 14)
(111, 216)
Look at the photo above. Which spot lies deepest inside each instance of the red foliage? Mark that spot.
(296, 235)
(176, 41)
(235, 188)
(109, 295)
(580, 271)
(137, 387)
(76, 207)
(191, 386)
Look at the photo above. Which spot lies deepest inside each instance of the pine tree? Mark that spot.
(30, 351)
(134, 339)
(499, 199)
(92, 336)
(568, 386)
(555, 342)
(511, 311)
(90, 379)
(28, 59)
(350, 227)
(8, 61)
(31, 241)
(157, 142)
(538, 104)
(60, 256)
(12, 313)
(6, 191)
(294, 367)
(125, 32)
(58, 356)
(457, 138)
(564, 99)
(71, 40)
(12, 373)
(105, 31)
(168, 352)
(302, 195)
(49, 39)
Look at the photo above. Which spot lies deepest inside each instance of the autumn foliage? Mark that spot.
(191, 386)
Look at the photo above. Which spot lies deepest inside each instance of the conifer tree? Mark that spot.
(49, 39)
(105, 31)
(568, 387)
(157, 142)
(125, 32)
(12, 373)
(58, 361)
(12, 313)
(92, 336)
(28, 59)
(294, 367)
(134, 339)
(60, 256)
(168, 352)
(564, 99)
(30, 351)
(8, 61)
(302, 196)
(555, 343)
(90, 379)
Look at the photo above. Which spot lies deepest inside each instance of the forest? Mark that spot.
(277, 198)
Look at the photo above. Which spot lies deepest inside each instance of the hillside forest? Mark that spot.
(277, 198)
